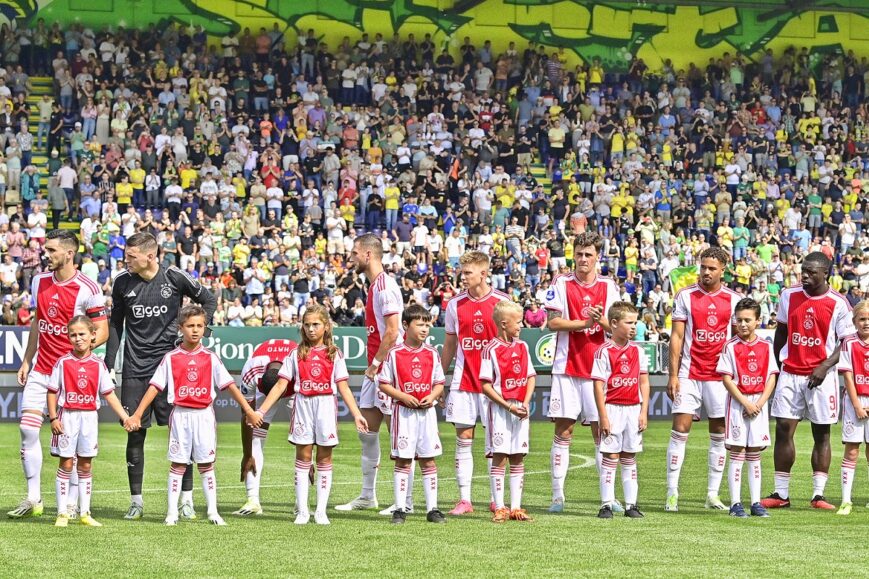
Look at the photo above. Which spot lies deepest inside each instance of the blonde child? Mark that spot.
(853, 363)
(74, 388)
(507, 377)
(317, 372)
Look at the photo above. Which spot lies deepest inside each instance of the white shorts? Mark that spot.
(742, 431)
(414, 433)
(35, 392)
(269, 416)
(853, 429)
(506, 433)
(466, 408)
(192, 435)
(79, 436)
(572, 397)
(693, 394)
(625, 435)
(795, 400)
(372, 397)
(314, 420)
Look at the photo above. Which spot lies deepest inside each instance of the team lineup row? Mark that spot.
(598, 375)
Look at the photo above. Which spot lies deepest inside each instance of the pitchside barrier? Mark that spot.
(235, 345)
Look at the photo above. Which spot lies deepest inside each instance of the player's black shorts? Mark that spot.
(132, 392)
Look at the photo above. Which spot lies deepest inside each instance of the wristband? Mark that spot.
(376, 363)
(50, 420)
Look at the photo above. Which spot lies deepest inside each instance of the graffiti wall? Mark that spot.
(584, 29)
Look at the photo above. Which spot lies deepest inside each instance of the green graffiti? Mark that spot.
(12, 9)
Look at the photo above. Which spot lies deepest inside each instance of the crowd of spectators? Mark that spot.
(257, 158)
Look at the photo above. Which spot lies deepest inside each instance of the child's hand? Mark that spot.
(752, 409)
(427, 401)
(132, 424)
(518, 410)
(410, 401)
(56, 427)
(604, 426)
(861, 412)
(254, 418)
(644, 422)
(361, 424)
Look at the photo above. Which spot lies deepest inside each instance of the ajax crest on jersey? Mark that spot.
(752, 366)
(517, 367)
(299, 430)
(192, 375)
(712, 320)
(478, 327)
(316, 371)
(735, 431)
(63, 441)
(416, 373)
(545, 349)
(82, 383)
(174, 447)
(555, 404)
(848, 429)
(402, 443)
(498, 439)
(52, 312)
(165, 291)
(625, 368)
(866, 363)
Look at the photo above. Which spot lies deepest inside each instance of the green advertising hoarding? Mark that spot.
(235, 345)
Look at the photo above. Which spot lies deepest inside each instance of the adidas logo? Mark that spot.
(54, 297)
(478, 313)
(191, 363)
(331, 437)
(132, 294)
(81, 369)
(415, 359)
(515, 355)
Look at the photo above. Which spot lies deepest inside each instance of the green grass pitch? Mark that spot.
(795, 542)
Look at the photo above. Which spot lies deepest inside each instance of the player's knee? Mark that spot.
(821, 433)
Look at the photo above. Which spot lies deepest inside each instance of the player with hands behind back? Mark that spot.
(413, 378)
(853, 364)
(192, 374)
(77, 381)
(317, 371)
(748, 370)
(621, 392)
(507, 377)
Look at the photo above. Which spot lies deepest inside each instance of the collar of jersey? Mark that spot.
(196, 350)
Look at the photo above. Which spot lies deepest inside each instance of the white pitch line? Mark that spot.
(587, 462)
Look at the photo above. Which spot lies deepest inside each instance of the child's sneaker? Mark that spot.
(501, 515)
(320, 518)
(251, 507)
(713, 501)
(672, 504)
(171, 521)
(463, 507)
(62, 520)
(435, 516)
(187, 512)
(398, 517)
(88, 521)
(617, 507)
(605, 512)
(557, 506)
(633, 512)
(302, 518)
(520, 515)
(758, 510)
(216, 519)
(738, 511)
(845, 509)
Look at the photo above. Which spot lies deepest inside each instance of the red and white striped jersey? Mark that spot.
(749, 364)
(815, 327)
(854, 358)
(508, 367)
(471, 321)
(414, 371)
(191, 377)
(56, 304)
(708, 321)
(571, 299)
(620, 367)
(263, 355)
(384, 300)
(316, 375)
(79, 382)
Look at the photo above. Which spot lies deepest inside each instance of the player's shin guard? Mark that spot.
(430, 486)
(734, 476)
(209, 487)
(31, 454)
(849, 468)
(559, 458)
(85, 490)
(302, 484)
(819, 483)
(517, 484)
(607, 480)
(630, 484)
(675, 458)
(72, 498)
(175, 475)
(324, 485)
(61, 489)
(464, 467)
(399, 482)
(370, 463)
(717, 459)
(782, 483)
(753, 461)
(497, 483)
(251, 479)
(136, 461)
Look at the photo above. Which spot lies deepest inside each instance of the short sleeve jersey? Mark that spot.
(749, 364)
(79, 382)
(854, 358)
(507, 366)
(56, 304)
(471, 321)
(619, 368)
(414, 371)
(316, 375)
(708, 321)
(572, 300)
(266, 353)
(191, 377)
(384, 300)
(815, 326)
